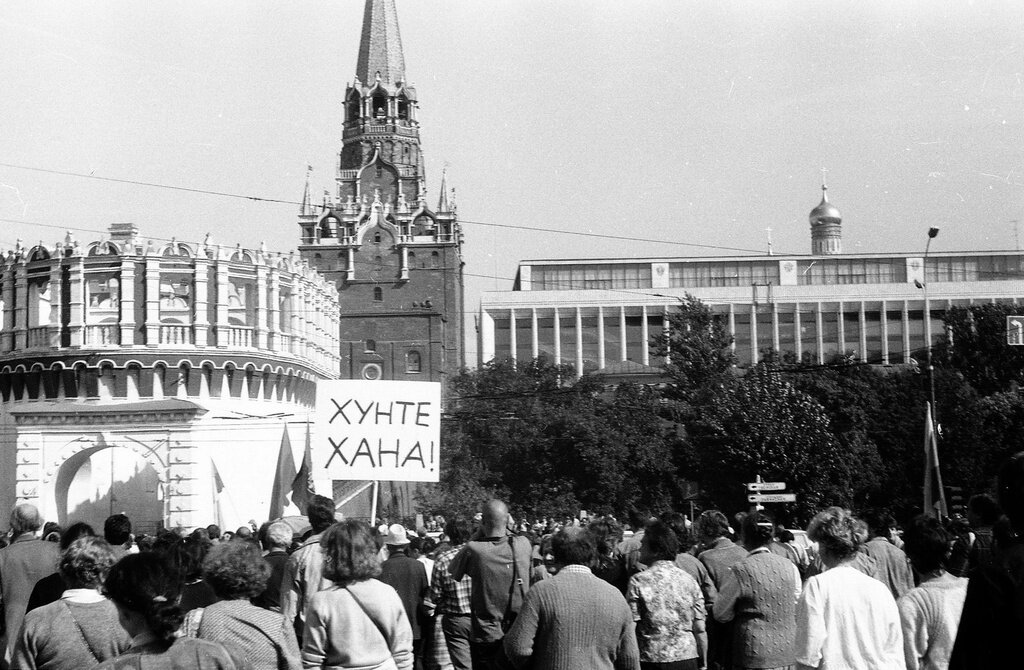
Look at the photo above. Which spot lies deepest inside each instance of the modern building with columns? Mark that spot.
(157, 379)
(595, 313)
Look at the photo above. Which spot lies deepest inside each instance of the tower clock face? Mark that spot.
(372, 372)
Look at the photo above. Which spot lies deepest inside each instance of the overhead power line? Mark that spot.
(257, 198)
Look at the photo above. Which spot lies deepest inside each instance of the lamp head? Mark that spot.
(932, 233)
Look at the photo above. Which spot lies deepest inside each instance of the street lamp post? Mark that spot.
(932, 233)
(933, 414)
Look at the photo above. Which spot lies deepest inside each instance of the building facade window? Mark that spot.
(378, 294)
(371, 346)
(413, 362)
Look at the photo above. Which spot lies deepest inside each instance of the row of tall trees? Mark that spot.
(844, 433)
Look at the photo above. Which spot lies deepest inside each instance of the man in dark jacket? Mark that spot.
(27, 560)
(409, 577)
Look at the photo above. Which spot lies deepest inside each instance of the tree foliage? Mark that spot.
(551, 444)
(843, 433)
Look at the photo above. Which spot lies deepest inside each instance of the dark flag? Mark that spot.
(302, 484)
(284, 477)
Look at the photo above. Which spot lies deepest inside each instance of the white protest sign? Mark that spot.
(386, 430)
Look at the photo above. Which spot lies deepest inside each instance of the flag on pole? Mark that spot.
(284, 477)
(934, 495)
(302, 483)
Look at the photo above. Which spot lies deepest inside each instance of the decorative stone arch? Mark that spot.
(58, 474)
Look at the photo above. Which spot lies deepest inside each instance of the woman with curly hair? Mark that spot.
(236, 572)
(146, 592)
(845, 619)
(359, 622)
(80, 629)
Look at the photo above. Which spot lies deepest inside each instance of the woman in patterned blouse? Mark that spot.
(668, 607)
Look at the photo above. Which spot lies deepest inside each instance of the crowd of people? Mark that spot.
(489, 594)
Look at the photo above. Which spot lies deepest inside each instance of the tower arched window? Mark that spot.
(376, 238)
(378, 294)
(435, 259)
(413, 362)
(403, 108)
(371, 346)
(380, 105)
(352, 111)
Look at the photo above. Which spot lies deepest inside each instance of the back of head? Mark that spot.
(573, 546)
(143, 583)
(879, 523)
(117, 529)
(75, 531)
(458, 529)
(320, 513)
(660, 542)
(85, 562)
(606, 534)
(236, 570)
(278, 536)
(983, 510)
(927, 543)
(213, 531)
(494, 518)
(677, 522)
(836, 532)
(25, 518)
(638, 518)
(350, 552)
(758, 530)
(712, 525)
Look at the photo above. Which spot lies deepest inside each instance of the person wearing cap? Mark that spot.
(23, 563)
(409, 578)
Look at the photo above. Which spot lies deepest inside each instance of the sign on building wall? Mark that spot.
(386, 430)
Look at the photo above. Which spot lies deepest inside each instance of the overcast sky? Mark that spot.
(688, 122)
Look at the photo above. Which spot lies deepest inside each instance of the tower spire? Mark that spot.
(380, 48)
(305, 193)
(442, 201)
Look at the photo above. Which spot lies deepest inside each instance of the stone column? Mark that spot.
(76, 308)
(222, 327)
(152, 301)
(273, 309)
(558, 339)
(600, 338)
(819, 322)
(55, 317)
(906, 332)
(487, 337)
(754, 356)
(842, 329)
(623, 351)
(534, 335)
(775, 329)
(261, 340)
(863, 333)
(512, 343)
(732, 327)
(579, 343)
(797, 332)
(645, 335)
(201, 320)
(7, 319)
(884, 321)
(126, 301)
(20, 306)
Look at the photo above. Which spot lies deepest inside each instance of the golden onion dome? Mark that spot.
(825, 212)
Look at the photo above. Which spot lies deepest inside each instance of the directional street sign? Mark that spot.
(771, 497)
(766, 486)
